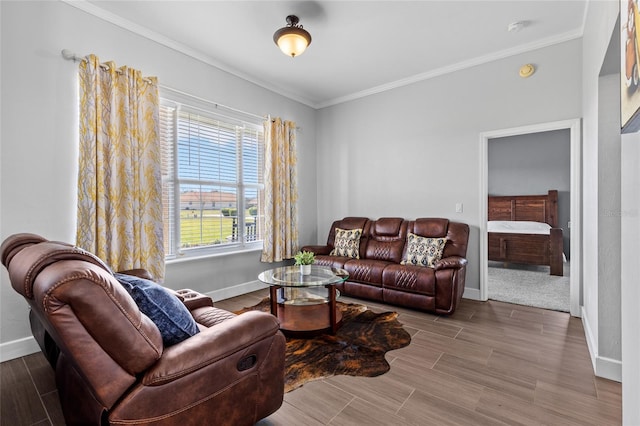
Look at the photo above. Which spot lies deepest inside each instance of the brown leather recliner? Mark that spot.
(110, 364)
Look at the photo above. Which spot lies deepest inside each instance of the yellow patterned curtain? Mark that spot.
(281, 191)
(119, 181)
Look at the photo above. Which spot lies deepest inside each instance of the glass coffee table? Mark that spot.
(305, 304)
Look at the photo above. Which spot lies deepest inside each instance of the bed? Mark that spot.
(524, 229)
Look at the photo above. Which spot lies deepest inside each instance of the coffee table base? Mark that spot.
(308, 318)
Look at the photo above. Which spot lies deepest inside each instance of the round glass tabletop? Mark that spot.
(291, 276)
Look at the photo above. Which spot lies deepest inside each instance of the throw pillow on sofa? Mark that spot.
(167, 312)
(347, 243)
(423, 251)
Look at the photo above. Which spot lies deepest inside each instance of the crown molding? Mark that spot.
(100, 13)
(121, 22)
(550, 41)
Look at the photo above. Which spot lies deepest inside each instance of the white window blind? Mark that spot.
(212, 171)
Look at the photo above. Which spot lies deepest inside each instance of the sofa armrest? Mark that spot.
(317, 249)
(450, 262)
(140, 273)
(210, 346)
(193, 299)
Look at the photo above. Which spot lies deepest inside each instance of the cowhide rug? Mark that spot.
(357, 349)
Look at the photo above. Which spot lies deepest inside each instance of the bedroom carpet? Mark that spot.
(529, 286)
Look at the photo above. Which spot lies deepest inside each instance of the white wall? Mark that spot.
(630, 291)
(599, 28)
(601, 181)
(609, 231)
(39, 135)
(415, 151)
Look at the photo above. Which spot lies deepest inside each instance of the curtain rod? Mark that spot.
(71, 56)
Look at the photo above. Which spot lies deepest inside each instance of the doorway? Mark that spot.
(526, 165)
(575, 172)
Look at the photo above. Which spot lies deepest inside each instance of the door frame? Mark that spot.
(574, 126)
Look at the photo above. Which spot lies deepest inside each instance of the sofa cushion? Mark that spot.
(386, 239)
(367, 271)
(423, 251)
(347, 243)
(410, 279)
(167, 312)
(331, 261)
(429, 227)
(387, 227)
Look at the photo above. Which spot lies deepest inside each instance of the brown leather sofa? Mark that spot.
(110, 364)
(379, 275)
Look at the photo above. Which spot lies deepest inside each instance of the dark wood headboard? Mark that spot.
(537, 208)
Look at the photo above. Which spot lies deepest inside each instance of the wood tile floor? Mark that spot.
(490, 363)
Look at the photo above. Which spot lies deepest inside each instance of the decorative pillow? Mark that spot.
(423, 251)
(167, 312)
(347, 243)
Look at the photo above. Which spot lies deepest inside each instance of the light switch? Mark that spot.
(458, 207)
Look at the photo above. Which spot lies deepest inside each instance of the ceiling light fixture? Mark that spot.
(292, 39)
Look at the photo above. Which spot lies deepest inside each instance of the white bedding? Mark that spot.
(518, 227)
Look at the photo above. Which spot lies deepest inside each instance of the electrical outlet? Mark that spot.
(458, 207)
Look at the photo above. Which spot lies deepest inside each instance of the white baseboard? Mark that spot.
(236, 290)
(17, 348)
(607, 368)
(471, 293)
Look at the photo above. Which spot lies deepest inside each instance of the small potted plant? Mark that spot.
(304, 259)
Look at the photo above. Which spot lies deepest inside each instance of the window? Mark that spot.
(212, 178)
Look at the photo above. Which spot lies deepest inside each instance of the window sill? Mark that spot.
(209, 255)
